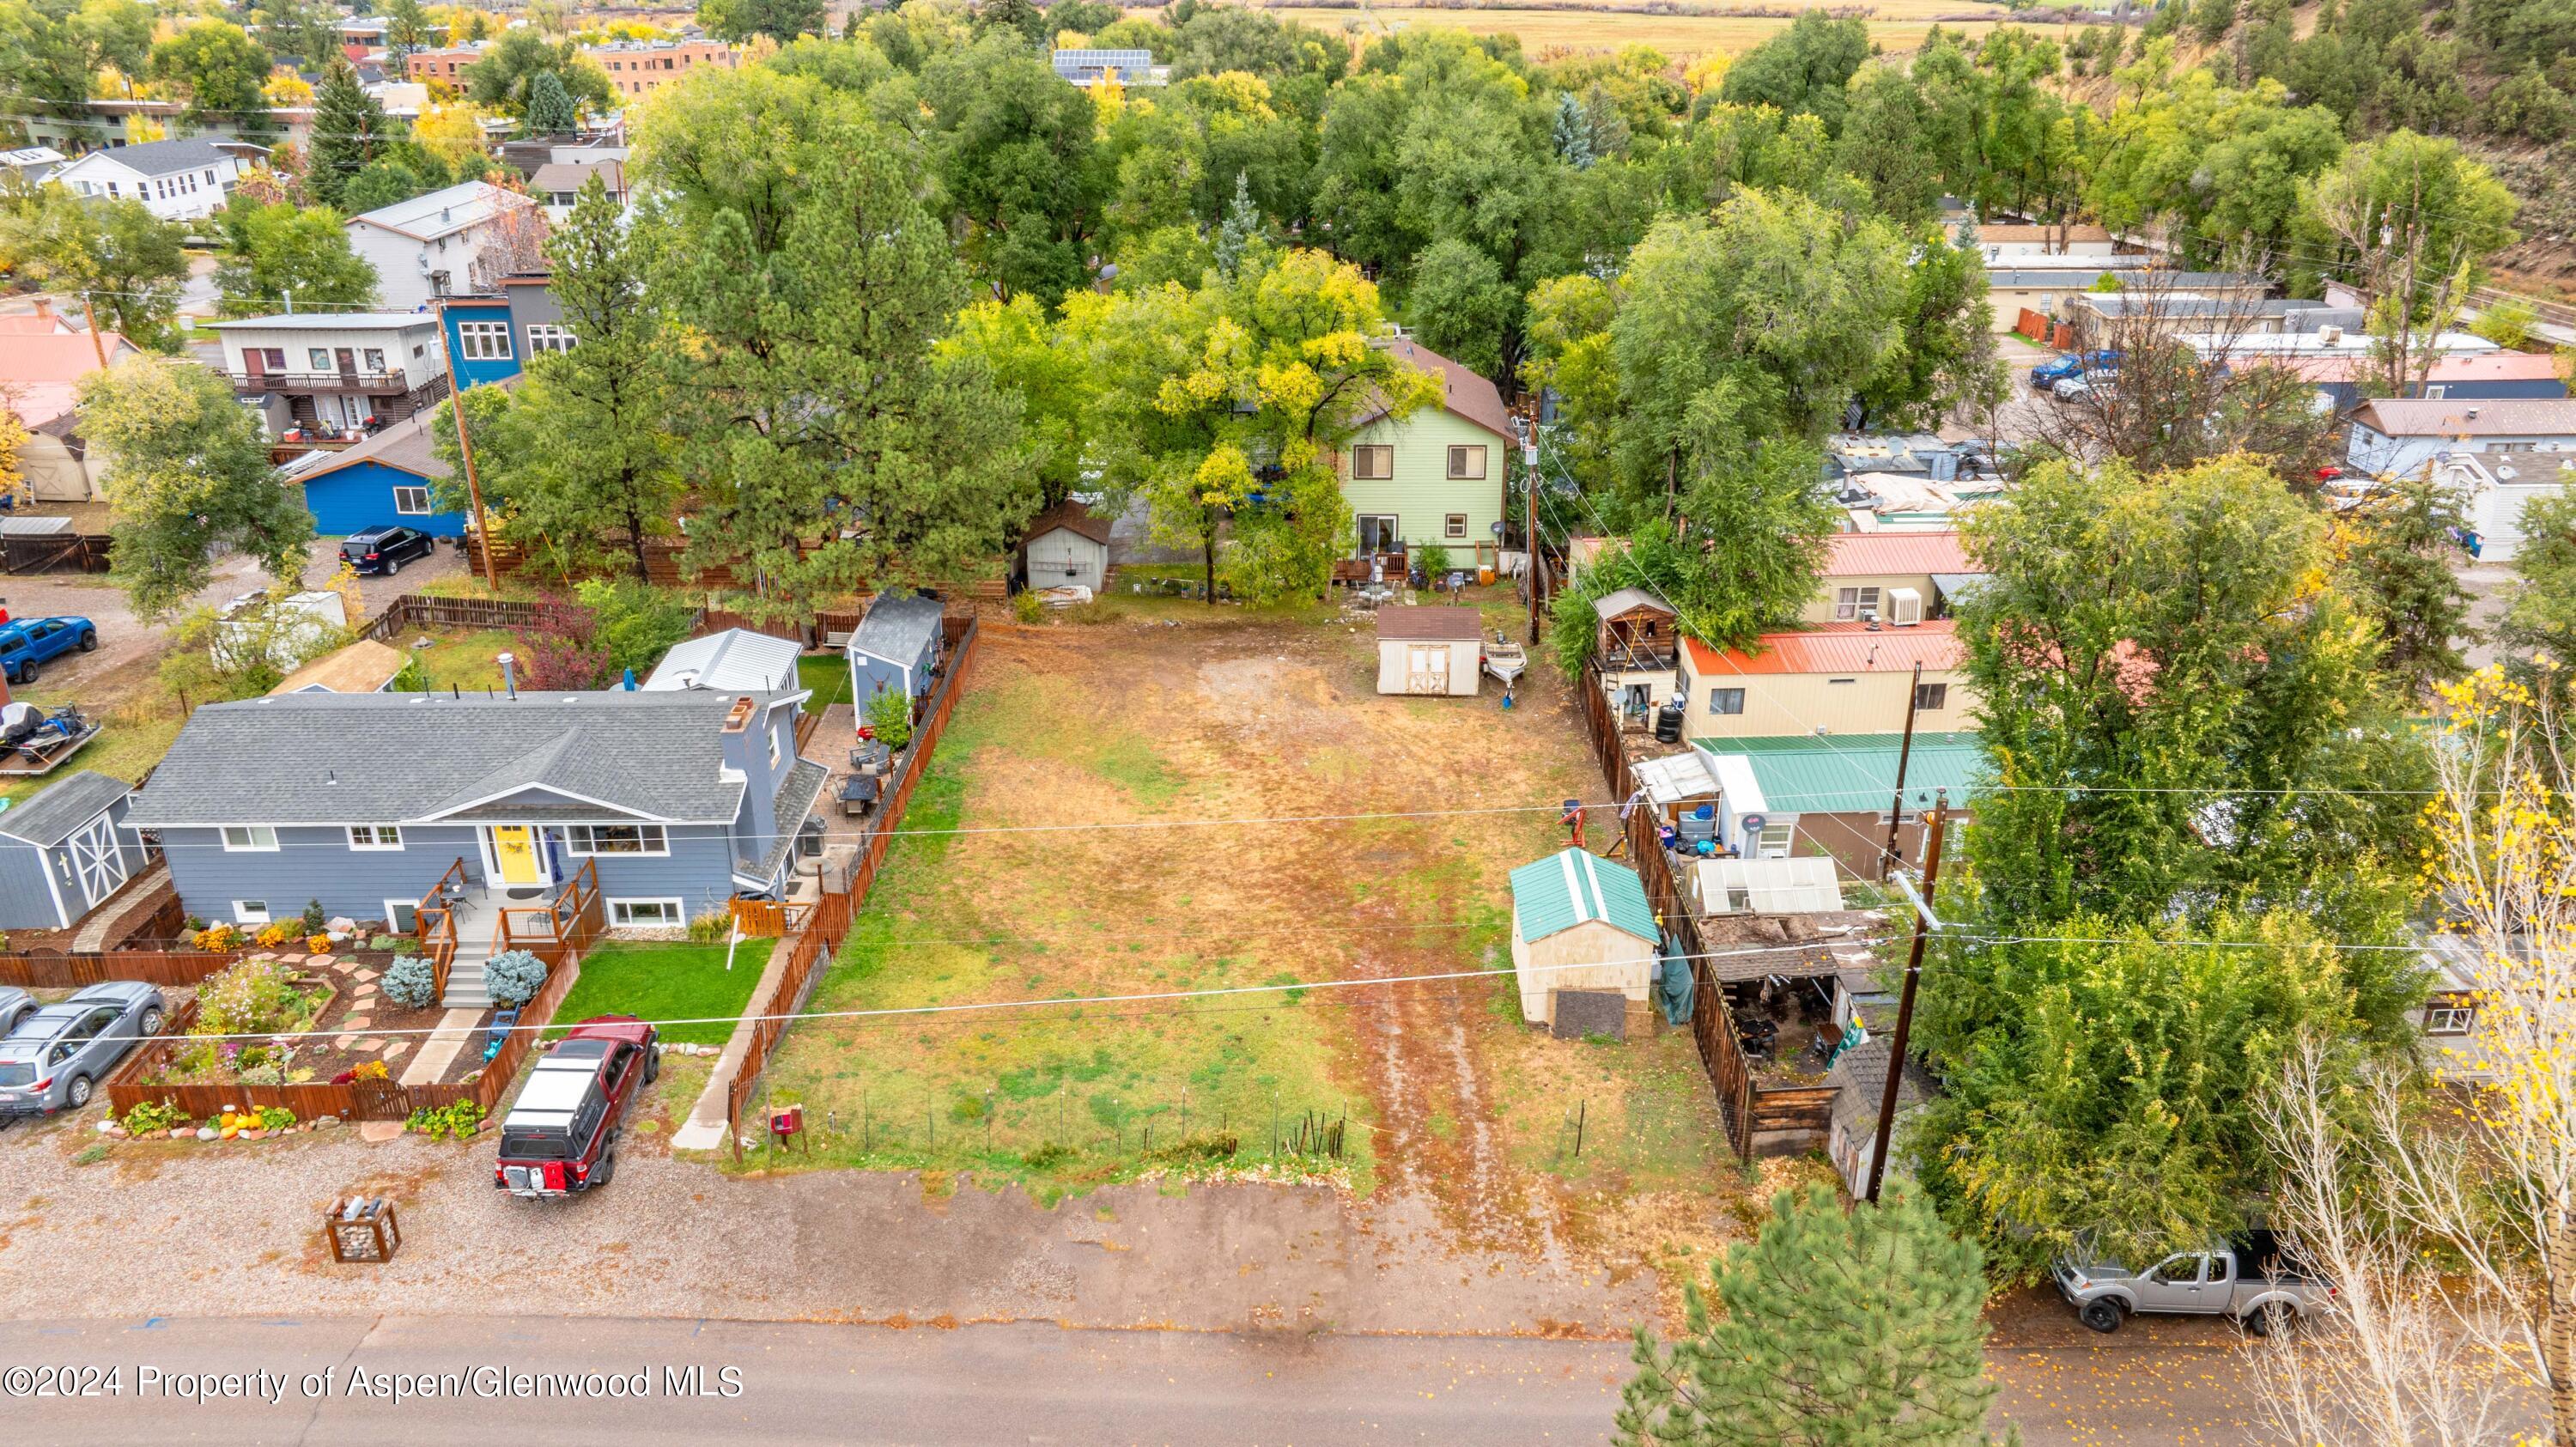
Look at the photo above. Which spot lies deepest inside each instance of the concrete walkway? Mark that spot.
(455, 1030)
(706, 1128)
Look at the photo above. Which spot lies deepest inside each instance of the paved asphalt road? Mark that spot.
(984, 1384)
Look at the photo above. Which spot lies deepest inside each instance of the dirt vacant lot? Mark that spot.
(1106, 817)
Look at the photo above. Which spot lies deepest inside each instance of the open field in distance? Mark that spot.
(1898, 26)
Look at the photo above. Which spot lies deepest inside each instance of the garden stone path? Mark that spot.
(454, 1029)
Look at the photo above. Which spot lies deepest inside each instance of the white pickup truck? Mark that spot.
(2246, 1281)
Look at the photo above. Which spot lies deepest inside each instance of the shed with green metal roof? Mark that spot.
(1581, 922)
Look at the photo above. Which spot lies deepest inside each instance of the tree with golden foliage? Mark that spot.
(2447, 1219)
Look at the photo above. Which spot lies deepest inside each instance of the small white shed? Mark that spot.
(1580, 922)
(1066, 547)
(732, 660)
(1435, 651)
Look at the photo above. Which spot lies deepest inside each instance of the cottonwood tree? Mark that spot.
(127, 264)
(2193, 383)
(2411, 222)
(217, 68)
(1230, 403)
(188, 475)
(281, 253)
(2452, 1231)
(1836, 1327)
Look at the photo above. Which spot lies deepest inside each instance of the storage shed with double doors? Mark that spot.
(64, 851)
(1434, 651)
(1067, 547)
(1580, 922)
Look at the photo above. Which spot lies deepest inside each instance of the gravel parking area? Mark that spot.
(231, 1229)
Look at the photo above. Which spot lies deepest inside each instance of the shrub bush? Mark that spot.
(890, 714)
(250, 997)
(408, 982)
(1028, 607)
(1434, 560)
(513, 977)
(711, 928)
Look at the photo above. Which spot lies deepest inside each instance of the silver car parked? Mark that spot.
(58, 1054)
(15, 1005)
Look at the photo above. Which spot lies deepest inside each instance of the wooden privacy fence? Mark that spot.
(1750, 1110)
(130, 1085)
(53, 552)
(828, 920)
(157, 967)
(428, 610)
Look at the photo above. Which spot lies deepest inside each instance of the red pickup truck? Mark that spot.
(561, 1133)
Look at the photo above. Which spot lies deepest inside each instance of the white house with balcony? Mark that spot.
(329, 377)
(175, 180)
(427, 246)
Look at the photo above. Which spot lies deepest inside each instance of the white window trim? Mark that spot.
(244, 914)
(484, 341)
(2449, 1019)
(573, 845)
(679, 908)
(374, 829)
(251, 831)
(421, 511)
(393, 914)
(1761, 840)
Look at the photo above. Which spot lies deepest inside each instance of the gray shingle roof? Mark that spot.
(52, 816)
(797, 791)
(896, 629)
(160, 158)
(320, 758)
(1859, 1078)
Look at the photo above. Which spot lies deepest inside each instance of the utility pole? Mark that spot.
(1904, 756)
(465, 450)
(1529, 526)
(97, 347)
(1905, 1004)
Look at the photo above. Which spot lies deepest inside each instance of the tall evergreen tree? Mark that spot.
(349, 130)
(2398, 557)
(551, 111)
(1242, 228)
(600, 466)
(1858, 1328)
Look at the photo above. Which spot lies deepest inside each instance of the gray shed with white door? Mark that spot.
(64, 851)
(1067, 547)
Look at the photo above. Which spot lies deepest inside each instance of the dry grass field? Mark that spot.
(1898, 26)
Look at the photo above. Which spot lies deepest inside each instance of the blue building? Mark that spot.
(365, 802)
(388, 478)
(895, 648)
(479, 345)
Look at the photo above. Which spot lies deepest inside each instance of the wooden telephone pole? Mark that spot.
(473, 487)
(1904, 756)
(1905, 1004)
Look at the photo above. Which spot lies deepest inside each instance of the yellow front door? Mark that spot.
(514, 848)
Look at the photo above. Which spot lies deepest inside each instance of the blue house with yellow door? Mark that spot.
(391, 477)
(680, 799)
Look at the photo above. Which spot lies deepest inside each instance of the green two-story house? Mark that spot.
(1437, 476)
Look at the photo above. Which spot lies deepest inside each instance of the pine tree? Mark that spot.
(1242, 229)
(550, 107)
(1572, 133)
(1856, 1328)
(349, 128)
(1606, 129)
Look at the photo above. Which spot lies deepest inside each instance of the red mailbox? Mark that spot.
(786, 1124)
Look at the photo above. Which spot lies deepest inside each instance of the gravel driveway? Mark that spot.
(231, 1230)
(123, 639)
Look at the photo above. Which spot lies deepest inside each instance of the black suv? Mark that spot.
(385, 549)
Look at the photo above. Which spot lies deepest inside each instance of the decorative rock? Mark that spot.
(254, 1133)
(207, 1133)
(320, 1121)
(110, 1127)
(177, 1132)
(377, 1132)
(368, 974)
(343, 926)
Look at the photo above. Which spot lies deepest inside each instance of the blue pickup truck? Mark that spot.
(2074, 364)
(29, 642)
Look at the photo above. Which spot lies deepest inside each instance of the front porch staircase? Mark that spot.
(465, 988)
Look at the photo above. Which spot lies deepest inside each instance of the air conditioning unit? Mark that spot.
(1904, 607)
(2330, 334)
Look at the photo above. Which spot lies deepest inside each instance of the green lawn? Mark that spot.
(828, 674)
(667, 982)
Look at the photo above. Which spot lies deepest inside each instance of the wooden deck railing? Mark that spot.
(561, 927)
(434, 924)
